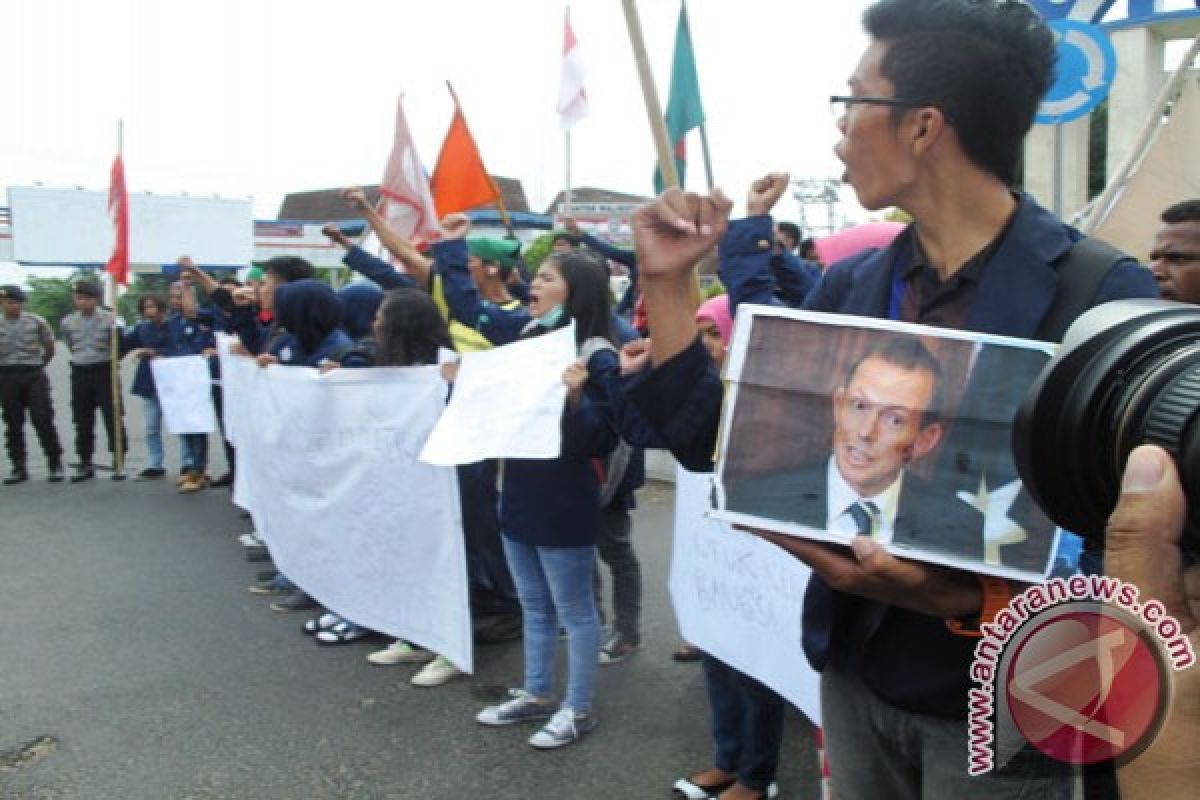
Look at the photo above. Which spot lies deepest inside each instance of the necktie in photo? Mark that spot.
(866, 518)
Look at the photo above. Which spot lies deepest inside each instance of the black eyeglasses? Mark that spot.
(840, 104)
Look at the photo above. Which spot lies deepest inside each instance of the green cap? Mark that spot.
(254, 274)
(497, 251)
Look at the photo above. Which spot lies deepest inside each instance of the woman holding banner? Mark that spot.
(550, 510)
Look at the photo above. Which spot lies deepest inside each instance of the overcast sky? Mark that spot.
(258, 98)
(262, 98)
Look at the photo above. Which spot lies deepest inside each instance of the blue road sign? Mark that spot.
(1082, 10)
(1087, 65)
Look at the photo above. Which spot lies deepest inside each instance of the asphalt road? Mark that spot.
(134, 664)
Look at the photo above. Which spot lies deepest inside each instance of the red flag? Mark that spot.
(404, 197)
(118, 207)
(460, 181)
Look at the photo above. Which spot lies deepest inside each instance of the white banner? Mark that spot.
(327, 466)
(236, 375)
(507, 403)
(184, 388)
(740, 598)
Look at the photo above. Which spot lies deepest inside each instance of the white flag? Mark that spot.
(405, 200)
(572, 99)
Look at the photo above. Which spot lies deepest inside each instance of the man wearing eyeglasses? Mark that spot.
(934, 124)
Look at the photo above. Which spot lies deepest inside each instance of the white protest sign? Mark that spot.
(740, 598)
(350, 515)
(184, 389)
(507, 403)
(236, 375)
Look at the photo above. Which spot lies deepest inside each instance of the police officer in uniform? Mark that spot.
(26, 347)
(88, 334)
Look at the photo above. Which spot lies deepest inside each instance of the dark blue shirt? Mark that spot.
(146, 334)
(909, 660)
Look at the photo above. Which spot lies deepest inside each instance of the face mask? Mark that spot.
(551, 318)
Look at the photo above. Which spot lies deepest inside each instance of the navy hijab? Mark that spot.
(360, 303)
(309, 311)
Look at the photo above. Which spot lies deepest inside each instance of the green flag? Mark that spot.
(684, 109)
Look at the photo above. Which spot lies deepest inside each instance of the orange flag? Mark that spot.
(459, 180)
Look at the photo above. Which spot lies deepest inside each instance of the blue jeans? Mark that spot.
(152, 412)
(194, 447)
(555, 584)
(747, 724)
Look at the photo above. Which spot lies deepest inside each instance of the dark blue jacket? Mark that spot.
(309, 314)
(910, 660)
(551, 502)
(155, 337)
(336, 346)
(191, 336)
(377, 270)
(795, 278)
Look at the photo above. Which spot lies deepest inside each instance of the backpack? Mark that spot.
(1081, 270)
(610, 469)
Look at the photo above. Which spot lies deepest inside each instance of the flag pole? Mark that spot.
(658, 125)
(118, 416)
(567, 133)
(708, 173)
(703, 127)
(508, 226)
(567, 136)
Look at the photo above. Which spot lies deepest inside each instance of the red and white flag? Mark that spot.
(404, 197)
(572, 99)
(118, 207)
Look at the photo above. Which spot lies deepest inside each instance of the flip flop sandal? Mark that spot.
(322, 623)
(343, 632)
(686, 653)
(687, 789)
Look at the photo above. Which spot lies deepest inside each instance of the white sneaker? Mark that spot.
(399, 652)
(521, 707)
(435, 673)
(566, 726)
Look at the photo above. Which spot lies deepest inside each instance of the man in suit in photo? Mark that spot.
(887, 414)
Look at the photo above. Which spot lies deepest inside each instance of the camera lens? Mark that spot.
(1128, 374)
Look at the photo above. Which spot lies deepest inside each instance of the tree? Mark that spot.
(50, 298)
(1098, 150)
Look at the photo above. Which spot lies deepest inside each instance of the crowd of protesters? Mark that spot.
(934, 124)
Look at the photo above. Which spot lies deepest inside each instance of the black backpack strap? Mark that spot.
(1081, 270)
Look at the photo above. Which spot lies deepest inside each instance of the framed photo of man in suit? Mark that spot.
(837, 426)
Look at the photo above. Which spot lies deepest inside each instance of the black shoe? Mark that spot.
(222, 482)
(257, 553)
(152, 473)
(18, 475)
(296, 601)
(504, 629)
(56, 473)
(83, 472)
